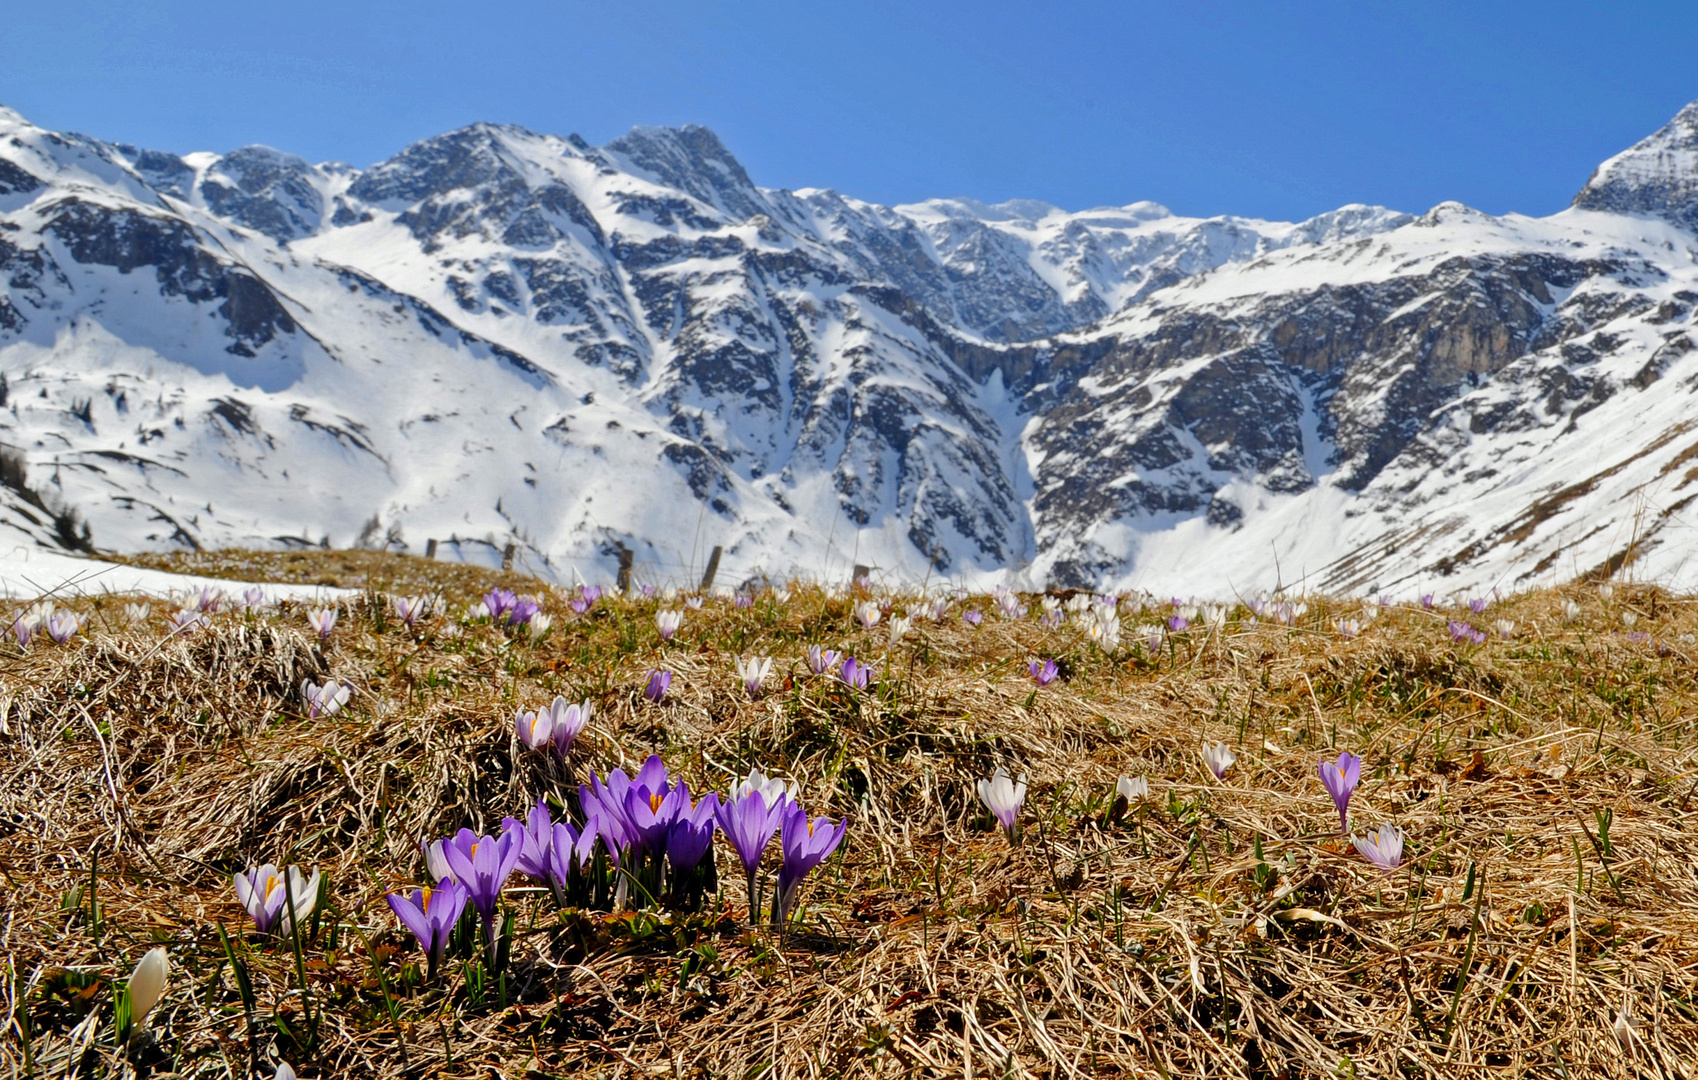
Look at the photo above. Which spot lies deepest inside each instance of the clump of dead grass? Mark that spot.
(1223, 928)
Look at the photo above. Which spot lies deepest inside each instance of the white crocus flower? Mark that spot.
(868, 614)
(1004, 797)
(1349, 628)
(694, 603)
(899, 625)
(1628, 619)
(1132, 788)
(1219, 758)
(326, 700)
(753, 671)
(539, 625)
(1505, 628)
(668, 623)
(1570, 610)
(772, 788)
(137, 612)
(147, 985)
(1606, 593)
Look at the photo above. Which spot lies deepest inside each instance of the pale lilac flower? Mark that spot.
(323, 620)
(1043, 672)
(1177, 623)
(1340, 781)
(1051, 619)
(23, 628)
(265, 892)
(867, 613)
(855, 673)
(1132, 788)
(973, 618)
(821, 660)
(753, 671)
(648, 591)
(1219, 758)
(668, 622)
(1383, 848)
(1348, 628)
(744, 601)
(1010, 606)
(326, 700)
(209, 599)
(1427, 601)
(940, 610)
(1505, 628)
(1003, 798)
(61, 625)
(1478, 604)
(409, 609)
(136, 613)
(659, 681)
(1462, 632)
(694, 603)
(187, 620)
(253, 598)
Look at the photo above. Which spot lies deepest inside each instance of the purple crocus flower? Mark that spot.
(579, 606)
(821, 660)
(690, 836)
(1478, 604)
(431, 914)
(253, 598)
(1178, 623)
(748, 822)
(523, 610)
(973, 618)
(1043, 672)
(209, 599)
(855, 673)
(806, 844)
(589, 593)
(659, 682)
(536, 836)
(648, 592)
(500, 603)
(1427, 601)
(1340, 782)
(745, 601)
(23, 629)
(409, 609)
(482, 864)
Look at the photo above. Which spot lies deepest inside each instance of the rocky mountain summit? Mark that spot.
(499, 337)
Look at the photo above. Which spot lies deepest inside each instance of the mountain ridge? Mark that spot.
(488, 335)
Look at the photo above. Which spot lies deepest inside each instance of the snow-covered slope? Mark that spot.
(504, 337)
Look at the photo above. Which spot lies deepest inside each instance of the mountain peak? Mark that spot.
(1657, 176)
(693, 160)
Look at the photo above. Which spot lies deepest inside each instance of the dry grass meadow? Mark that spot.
(1544, 922)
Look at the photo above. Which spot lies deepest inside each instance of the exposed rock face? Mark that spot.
(503, 335)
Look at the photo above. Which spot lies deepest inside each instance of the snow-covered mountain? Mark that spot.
(503, 337)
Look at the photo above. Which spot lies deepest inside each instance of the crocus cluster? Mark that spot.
(554, 728)
(1462, 633)
(507, 608)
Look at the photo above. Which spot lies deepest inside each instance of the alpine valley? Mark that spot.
(501, 337)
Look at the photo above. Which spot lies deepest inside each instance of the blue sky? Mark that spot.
(1277, 110)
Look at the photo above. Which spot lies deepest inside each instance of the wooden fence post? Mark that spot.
(712, 568)
(623, 581)
(430, 548)
(860, 572)
(507, 556)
